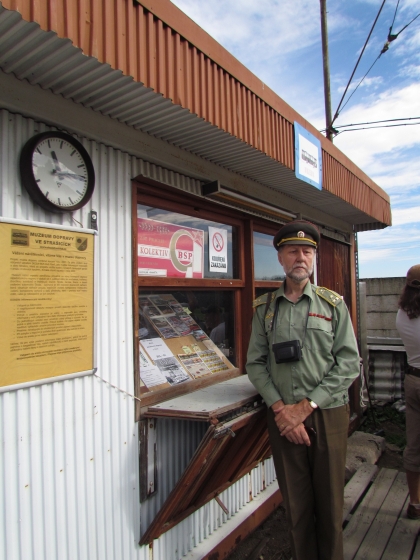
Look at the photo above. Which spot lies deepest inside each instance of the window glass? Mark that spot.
(184, 335)
(266, 264)
(175, 245)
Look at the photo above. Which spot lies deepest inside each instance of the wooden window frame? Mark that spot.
(267, 229)
(148, 192)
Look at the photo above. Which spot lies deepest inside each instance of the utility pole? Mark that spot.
(326, 65)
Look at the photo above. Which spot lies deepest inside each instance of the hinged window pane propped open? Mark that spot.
(235, 442)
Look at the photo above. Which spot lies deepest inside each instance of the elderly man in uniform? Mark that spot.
(302, 358)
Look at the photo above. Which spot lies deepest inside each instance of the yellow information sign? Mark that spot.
(47, 302)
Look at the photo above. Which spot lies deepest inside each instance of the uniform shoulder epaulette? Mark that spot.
(260, 300)
(332, 297)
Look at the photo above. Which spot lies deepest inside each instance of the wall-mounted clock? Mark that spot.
(57, 172)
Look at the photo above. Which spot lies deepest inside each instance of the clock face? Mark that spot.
(57, 172)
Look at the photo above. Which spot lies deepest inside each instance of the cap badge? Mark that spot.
(301, 234)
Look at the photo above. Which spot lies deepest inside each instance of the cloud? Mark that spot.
(406, 215)
(363, 146)
(394, 174)
(410, 71)
(376, 254)
(395, 238)
(397, 173)
(401, 200)
(389, 252)
(257, 24)
(367, 83)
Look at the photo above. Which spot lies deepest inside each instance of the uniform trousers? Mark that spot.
(311, 480)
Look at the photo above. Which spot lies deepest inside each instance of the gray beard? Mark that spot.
(298, 278)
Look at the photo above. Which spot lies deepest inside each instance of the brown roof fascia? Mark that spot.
(174, 18)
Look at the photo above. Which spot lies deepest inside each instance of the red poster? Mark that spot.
(168, 250)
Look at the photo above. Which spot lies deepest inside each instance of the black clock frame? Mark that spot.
(29, 181)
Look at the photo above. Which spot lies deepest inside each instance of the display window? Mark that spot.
(194, 286)
(184, 335)
(197, 267)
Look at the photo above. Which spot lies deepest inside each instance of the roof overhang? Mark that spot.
(53, 63)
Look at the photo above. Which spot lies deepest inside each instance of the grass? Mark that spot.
(387, 419)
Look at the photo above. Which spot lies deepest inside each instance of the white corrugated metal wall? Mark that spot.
(69, 456)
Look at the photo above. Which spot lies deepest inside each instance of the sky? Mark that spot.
(280, 42)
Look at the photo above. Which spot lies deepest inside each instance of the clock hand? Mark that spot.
(65, 174)
(56, 162)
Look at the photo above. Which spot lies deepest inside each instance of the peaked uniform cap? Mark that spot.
(298, 232)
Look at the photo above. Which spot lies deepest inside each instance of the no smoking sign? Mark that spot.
(217, 250)
(218, 242)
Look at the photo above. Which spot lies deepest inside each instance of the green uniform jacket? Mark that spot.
(330, 358)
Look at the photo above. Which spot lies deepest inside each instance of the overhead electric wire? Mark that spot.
(374, 122)
(382, 126)
(377, 122)
(390, 38)
(383, 51)
(395, 15)
(409, 23)
(357, 63)
(354, 91)
(393, 37)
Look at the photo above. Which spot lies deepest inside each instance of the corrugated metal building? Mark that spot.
(90, 463)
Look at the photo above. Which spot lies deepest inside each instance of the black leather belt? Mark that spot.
(413, 371)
